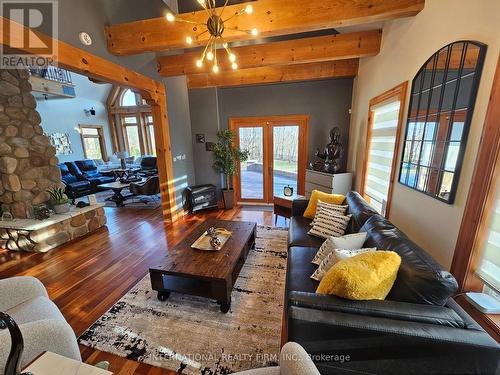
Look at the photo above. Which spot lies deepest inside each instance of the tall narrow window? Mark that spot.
(150, 133)
(382, 140)
(131, 136)
(476, 262)
(489, 265)
(93, 143)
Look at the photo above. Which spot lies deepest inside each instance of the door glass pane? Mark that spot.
(252, 176)
(381, 153)
(134, 148)
(285, 158)
(92, 148)
(152, 138)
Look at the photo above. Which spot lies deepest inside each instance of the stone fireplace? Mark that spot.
(28, 165)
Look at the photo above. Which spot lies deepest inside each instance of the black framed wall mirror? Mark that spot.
(442, 101)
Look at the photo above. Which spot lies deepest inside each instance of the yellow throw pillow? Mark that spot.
(365, 276)
(316, 196)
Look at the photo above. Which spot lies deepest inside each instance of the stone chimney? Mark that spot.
(28, 165)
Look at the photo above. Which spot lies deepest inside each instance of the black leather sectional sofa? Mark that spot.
(81, 178)
(418, 329)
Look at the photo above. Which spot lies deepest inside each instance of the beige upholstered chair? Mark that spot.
(293, 361)
(41, 323)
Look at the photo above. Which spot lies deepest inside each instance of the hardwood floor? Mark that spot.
(86, 277)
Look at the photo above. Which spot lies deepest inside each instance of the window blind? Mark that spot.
(489, 266)
(381, 153)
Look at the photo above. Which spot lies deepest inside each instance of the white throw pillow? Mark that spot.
(332, 209)
(349, 242)
(336, 256)
(326, 225)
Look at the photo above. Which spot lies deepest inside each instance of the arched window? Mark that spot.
(136, 124)
(128, 99)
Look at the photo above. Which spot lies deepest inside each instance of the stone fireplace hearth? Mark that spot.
(28, 165)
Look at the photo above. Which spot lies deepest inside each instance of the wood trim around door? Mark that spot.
(398, 92)
(267, 123)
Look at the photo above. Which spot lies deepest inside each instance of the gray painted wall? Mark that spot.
(326, 102)
(180, 133)
(64, 115)
(204, 120)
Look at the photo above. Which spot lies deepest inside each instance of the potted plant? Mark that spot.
(227, 157)
(58, 200)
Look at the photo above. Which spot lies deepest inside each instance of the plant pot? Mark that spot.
(61, 208)
(228, 196)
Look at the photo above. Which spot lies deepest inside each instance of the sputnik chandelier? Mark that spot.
(215, 26)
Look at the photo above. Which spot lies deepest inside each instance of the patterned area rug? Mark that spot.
(190, 334)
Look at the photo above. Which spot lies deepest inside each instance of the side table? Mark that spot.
(283, 206)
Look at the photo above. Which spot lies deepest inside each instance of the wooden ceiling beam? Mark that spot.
(297, 51)
(275, 74)
(270, 17)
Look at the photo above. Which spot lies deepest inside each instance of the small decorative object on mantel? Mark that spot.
(331, 157)
(288, 191)
(212, 239)
(41, 212)
(7, 216)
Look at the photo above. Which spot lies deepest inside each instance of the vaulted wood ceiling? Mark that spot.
(309, 57)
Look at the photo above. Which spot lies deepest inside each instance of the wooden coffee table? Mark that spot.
(209, 274)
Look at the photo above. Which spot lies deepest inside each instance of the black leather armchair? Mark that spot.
(149, 187)
(74, 188)
(418, 329)
(149, 166)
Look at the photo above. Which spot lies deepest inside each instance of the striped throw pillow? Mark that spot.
(330, 208)
(334, 257)
(327, 225)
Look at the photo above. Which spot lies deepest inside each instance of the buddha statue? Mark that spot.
(331, 157)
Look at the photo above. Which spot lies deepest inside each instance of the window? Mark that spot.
(382, 139)
(93, 143)
(489, 265)
(150, 134)
(131, 135)
(128, 99)
(442, 100)
(476, 262)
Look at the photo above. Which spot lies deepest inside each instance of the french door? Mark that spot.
(278, 156)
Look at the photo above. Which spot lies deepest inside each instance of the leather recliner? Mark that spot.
(74, 188)
(149, 166)
(87, 170)
(418, 329)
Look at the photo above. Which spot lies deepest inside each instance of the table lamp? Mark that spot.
(122, 155)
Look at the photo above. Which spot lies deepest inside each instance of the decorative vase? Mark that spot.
(61, 208)
(228, 196)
